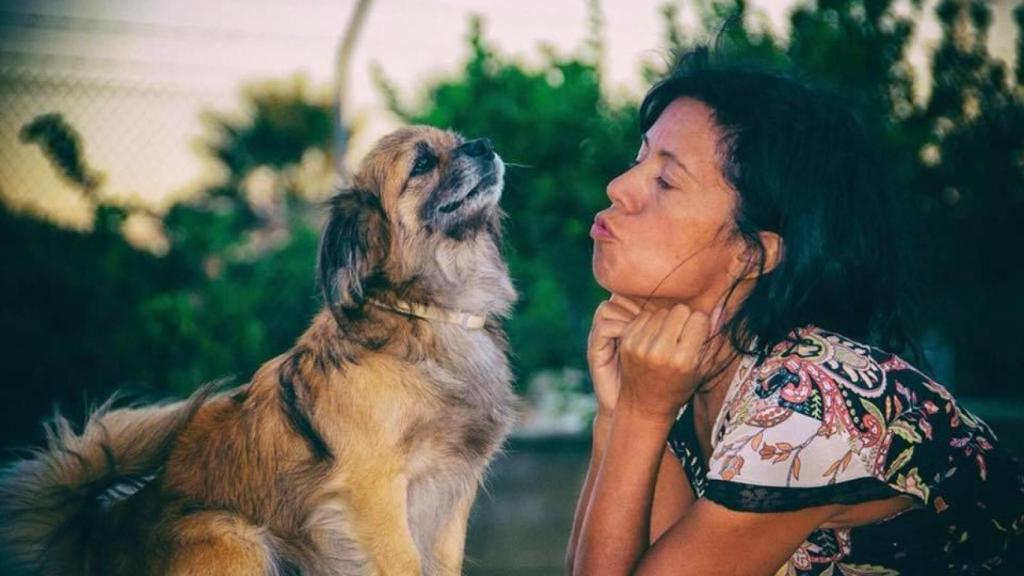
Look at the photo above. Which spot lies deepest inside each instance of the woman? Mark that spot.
(752, 418)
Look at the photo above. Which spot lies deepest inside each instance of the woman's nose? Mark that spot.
(624, 191)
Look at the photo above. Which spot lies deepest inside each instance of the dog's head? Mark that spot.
(420, 222)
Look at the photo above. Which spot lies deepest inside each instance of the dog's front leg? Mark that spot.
(451, 541)
(379, 506)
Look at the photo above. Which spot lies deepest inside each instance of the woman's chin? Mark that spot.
(615, 279)
(601, 272)
(608, 281)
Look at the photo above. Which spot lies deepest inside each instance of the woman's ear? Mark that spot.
(745, 267)
(353, 247)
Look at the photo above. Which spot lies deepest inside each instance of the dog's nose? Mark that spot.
(477, 148)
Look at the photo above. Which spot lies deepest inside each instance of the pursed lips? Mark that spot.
(600, 230)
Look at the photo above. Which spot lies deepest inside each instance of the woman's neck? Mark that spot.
(723, 371)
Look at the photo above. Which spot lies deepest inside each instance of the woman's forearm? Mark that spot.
(614, 532)
(601, 427)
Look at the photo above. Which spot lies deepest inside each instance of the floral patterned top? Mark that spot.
(824, 419)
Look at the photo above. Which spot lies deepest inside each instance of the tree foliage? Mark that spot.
(89, 313)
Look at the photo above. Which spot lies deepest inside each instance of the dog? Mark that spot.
(357, 451)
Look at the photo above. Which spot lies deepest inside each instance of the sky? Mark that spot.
(133, 75)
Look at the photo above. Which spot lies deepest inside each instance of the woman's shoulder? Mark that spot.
(817, 364)
(822, 408)
(827, 419)
(811, 412)
(851, 388)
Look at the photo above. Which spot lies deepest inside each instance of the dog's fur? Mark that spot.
(358, 451)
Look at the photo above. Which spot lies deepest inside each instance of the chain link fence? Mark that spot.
(140, 134)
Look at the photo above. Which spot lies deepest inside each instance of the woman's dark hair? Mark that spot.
(804, 168)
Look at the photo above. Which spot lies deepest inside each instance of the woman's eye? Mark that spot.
(663, 184)
(423, 165)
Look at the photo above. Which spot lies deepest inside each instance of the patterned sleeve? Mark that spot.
(830, 420)
(811, 426)
(950, 460)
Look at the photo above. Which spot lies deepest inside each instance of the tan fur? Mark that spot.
(358, 451)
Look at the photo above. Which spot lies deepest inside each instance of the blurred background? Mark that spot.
(161, 165)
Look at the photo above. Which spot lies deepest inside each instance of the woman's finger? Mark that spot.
(675, 320)
(653, 332)
(609, 309)
(631, 304)
(694, 333)
(608, 329)
(636, 326)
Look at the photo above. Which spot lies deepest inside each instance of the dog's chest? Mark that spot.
(473, 384)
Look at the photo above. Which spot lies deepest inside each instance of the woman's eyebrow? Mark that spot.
(667, 154)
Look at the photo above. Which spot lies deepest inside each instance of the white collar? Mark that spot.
(464, 319)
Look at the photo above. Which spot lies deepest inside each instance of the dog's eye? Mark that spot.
(424, 163)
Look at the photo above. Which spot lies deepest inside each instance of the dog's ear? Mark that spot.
(352, 249)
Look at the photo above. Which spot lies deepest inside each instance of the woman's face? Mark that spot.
(671, 224)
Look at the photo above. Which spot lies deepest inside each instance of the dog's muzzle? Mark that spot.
(482, 173)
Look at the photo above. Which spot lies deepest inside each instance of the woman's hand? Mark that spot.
(660, 354)
(610, 319)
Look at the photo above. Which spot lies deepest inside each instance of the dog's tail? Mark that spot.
(54, 501)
